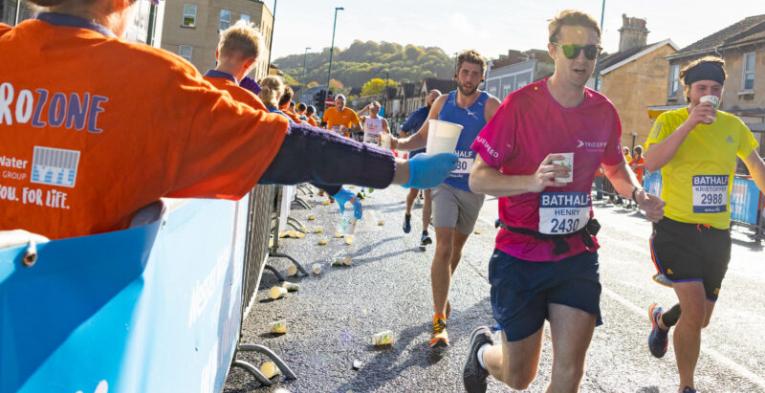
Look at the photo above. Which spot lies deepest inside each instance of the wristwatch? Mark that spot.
(634, 193)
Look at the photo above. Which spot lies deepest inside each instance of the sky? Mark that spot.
(489, 26)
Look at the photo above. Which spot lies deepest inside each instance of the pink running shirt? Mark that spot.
(527, 127)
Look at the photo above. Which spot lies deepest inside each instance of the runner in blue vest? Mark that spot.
(455, 207)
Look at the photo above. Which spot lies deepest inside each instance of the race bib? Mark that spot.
(710, 193)
(561, 213)
(463, 166)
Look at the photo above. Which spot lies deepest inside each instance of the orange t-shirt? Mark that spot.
(638, 166)
(239, 93)
(312, 121)
(292, 115)
(93, 128)
(346, 118)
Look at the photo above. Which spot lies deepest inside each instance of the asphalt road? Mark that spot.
(333, 316)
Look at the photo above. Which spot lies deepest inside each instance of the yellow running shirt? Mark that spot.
(697, 181)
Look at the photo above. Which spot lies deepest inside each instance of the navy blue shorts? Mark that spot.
(521, 291)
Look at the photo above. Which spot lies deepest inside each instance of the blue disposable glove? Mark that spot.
(428, 171)
(344, 196)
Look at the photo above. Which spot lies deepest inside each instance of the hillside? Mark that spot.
(365, 60)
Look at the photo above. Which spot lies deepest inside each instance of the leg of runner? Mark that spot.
(440, 276)
(571, 331)
(687, 337)
(408, 214)
(427, 208)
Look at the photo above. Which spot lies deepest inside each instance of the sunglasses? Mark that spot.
(571, 51)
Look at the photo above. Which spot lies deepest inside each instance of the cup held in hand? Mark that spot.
(442, 136)
(568, 162)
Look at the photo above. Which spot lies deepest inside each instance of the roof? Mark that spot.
(725, 36)
(611, 62)
(442, 85)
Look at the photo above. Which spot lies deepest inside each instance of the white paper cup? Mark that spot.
(442, 136)
(385, 141)
(715, 101)
(567, 161)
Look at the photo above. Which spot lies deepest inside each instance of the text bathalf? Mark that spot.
(710, 180)
(564, 199)
(45, 109)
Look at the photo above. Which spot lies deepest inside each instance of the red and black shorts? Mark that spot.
(691, 252)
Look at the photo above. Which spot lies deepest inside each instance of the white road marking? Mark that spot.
(715, 355)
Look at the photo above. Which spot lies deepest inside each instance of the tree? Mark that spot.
(376, 86)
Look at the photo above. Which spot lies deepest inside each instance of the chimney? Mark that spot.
(633, 33)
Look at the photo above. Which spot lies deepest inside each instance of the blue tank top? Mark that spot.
(473, 120)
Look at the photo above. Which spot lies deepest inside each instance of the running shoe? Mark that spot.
(407, 223)
(425, 240)
(439, 338)
(473, 375)
(688, 389)
(657, 340)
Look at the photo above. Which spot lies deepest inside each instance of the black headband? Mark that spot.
(706, 71)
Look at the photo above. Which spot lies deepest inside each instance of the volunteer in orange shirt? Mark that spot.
(93, 128)
(235, 57)
(284, 104)
(310, 112)
(340, 118)
(637, 163)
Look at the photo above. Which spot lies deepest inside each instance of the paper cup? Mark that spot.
(442, 136)
(714, 100)
(567, 161)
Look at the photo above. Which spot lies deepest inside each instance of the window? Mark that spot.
(245, 17)
(185, 51)
(748, 79)
(225, 19)
(674, 79)
(189, 15)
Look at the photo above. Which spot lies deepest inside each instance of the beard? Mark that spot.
(465, 91)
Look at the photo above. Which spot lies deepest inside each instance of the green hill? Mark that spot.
(365, 60)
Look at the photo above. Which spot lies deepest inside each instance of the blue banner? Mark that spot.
(155, 308)
(745, 201)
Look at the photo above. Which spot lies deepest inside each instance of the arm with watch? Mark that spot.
(626, 184)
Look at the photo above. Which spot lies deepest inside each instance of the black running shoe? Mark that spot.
(407, 223)
(473, 375)
(657, 340)
(425, 240)
(689, 389)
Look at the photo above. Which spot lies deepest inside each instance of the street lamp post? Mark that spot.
(305, 56)
(331, 50)
(597, 65)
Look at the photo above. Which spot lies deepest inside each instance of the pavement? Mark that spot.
(332, 317)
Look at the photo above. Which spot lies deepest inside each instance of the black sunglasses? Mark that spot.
(571, 51)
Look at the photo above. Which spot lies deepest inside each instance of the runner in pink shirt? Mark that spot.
(539, 154)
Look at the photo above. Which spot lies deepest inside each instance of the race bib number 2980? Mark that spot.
(561, 213)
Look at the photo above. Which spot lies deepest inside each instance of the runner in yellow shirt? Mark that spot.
(696, 149)
(340, 118)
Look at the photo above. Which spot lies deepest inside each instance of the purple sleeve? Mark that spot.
(310, 154)
(496, 141)
(613, 154)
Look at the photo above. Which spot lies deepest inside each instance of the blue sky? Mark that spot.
(489, 26)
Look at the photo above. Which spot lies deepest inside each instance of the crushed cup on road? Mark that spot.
(269, 369)
(477, 232)
(323, 242)
(292, 270)
(325, 202)
(380, 223)
(338, 235)
(357, 364)
(349, 239)
(290, 286)
(342, 261)
(311, 217)
(316, 268)
(318, 230)
(277, 292)
(383, 338)
(279, 327)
